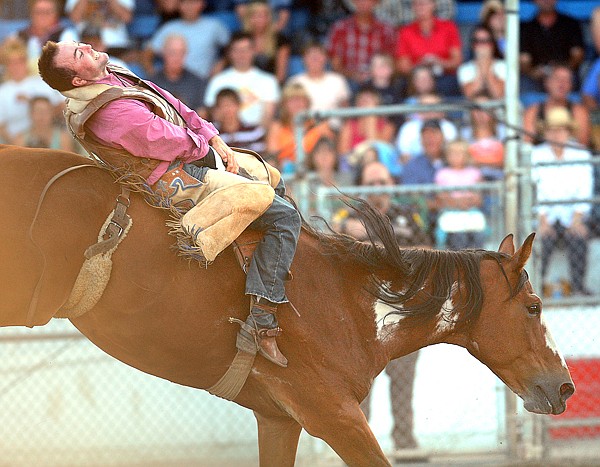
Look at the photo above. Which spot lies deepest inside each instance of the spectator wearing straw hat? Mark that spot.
(564, 223)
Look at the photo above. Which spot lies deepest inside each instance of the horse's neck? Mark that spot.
(406, 335)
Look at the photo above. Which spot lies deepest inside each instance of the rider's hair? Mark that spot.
(59, 78)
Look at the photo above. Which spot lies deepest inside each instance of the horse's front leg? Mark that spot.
(277, 440)
(343, 426)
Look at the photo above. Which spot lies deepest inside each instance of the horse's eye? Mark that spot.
(534, 309)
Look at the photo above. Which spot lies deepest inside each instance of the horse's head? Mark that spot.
(511, 337)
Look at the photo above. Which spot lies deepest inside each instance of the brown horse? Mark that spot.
(168, 317)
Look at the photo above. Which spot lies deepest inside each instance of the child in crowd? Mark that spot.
(484, 135)
(226, 117)
(281, 142)
(460, 218)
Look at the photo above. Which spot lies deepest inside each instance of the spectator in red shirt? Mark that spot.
(354, 40)
(433, 42)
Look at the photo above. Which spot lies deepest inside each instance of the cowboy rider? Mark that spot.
(134, 125)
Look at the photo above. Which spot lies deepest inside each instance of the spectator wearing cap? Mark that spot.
(408, 140)
(422, 168)
(563, 222)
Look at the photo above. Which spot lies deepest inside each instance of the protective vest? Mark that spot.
(83, 102)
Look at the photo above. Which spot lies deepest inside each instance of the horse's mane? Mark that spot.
(425, 275)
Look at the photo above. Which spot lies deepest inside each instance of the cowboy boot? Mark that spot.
(263, 321)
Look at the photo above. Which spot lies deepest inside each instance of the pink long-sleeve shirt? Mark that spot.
(130, 124)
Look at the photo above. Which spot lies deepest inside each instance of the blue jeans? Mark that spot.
(274, 254)
(577, 249)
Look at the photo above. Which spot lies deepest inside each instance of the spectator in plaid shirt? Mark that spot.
(354, 40)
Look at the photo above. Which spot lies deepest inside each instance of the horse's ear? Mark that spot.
(523, 253)
(507, 246)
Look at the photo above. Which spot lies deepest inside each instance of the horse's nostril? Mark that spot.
(566, 390)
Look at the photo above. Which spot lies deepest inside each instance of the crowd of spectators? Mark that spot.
(251, 66)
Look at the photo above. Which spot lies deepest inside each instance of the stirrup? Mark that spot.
(249, 340)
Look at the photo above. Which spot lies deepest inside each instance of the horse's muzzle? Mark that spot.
(549, 398)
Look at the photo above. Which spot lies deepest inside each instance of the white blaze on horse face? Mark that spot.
(550, 344)
(445, 323)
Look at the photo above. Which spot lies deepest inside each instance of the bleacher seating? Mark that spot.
(228, 18)
(467, 13)
(10, 26)
(296, 65)
(142, 27)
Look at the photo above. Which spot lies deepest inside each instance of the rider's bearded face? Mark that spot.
(88, 64)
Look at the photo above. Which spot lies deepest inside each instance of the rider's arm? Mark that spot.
(129, 124)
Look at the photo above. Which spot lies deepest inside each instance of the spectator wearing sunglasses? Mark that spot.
(486, 71)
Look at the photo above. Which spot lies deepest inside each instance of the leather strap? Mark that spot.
(118, 223)
(244, 247)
